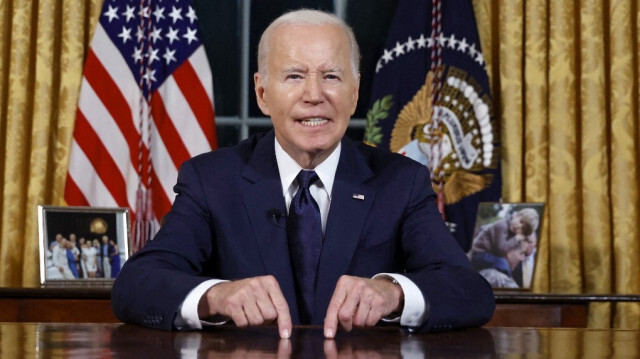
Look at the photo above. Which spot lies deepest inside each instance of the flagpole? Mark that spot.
(245, 10)
(340, 8)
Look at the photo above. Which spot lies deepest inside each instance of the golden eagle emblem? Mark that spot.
(457, 141)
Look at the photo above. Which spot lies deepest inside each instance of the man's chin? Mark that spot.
(319, 144)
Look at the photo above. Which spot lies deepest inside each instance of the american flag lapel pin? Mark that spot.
(358, 196)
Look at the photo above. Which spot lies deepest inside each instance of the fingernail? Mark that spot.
(328, 333)
(285, 334)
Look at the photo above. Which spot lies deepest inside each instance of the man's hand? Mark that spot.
(251, 301)
(361, 302)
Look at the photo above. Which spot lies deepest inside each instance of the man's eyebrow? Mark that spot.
(290, 69)
(334, 69)
(300, 69)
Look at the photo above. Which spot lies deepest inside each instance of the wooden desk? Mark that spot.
(126, 341)
(72, 305)
(520, 309)
(517, 309)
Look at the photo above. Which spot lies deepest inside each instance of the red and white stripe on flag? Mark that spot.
(145, 106)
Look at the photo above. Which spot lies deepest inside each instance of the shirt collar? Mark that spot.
(289, 168)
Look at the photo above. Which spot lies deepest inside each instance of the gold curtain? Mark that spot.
(564, 76)
(43, 47)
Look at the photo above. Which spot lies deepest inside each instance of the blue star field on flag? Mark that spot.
(154, 37)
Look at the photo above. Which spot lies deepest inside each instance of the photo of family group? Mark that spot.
(79, 243)
(505, 243)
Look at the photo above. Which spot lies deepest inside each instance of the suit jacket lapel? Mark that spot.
(266, 209)
(350, 203)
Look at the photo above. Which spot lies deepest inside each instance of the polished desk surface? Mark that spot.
(60, 340)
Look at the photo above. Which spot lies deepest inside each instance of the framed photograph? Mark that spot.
(82, 246)
(505, 243)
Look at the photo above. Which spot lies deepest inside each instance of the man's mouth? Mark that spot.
(314, 121)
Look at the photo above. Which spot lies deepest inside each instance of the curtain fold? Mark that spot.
(536, 112)
(624, 73)
(44, 44)
(624, 145)
(19, 84)
(567, 94)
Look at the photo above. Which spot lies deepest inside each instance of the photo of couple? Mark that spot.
(505, 243)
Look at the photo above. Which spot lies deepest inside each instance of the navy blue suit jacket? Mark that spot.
(228, 222)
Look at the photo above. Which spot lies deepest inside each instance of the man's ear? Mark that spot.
(258, 81)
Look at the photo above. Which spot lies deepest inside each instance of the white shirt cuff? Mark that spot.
(414, 312)
(187, 316)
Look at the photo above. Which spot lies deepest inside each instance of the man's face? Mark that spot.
(515, 256)
(516, 225)
(310, 91)
(532, 243)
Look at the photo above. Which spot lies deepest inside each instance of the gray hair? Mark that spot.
(306, 17)
(530, 220)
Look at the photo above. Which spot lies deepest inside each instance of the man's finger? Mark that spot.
(350, 305)
(239, 318)
(282, 310)
(361, 313)
(265, 302)
(331, 319)
(253, 313)
(267, 310)
(374, 316)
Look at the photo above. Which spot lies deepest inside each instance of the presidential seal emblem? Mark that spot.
(454, 137)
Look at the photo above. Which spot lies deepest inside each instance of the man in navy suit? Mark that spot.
(222, 253)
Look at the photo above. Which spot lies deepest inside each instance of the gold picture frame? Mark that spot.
(82, 246)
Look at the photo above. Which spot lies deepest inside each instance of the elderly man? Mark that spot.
(60, 259)
(301, 225)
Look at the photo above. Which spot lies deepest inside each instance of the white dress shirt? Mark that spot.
(413, 314)
(527, 269)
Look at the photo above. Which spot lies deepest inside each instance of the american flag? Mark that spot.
(146, 106)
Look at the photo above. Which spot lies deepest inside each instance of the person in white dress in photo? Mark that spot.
(90, 260)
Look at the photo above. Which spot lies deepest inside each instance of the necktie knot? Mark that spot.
(306, 178)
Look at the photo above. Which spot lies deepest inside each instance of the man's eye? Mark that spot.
(293, 77)
(331, 77)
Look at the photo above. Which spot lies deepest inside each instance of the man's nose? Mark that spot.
(314, 92)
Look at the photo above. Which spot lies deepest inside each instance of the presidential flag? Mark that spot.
(145, 106)
(431, 102)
